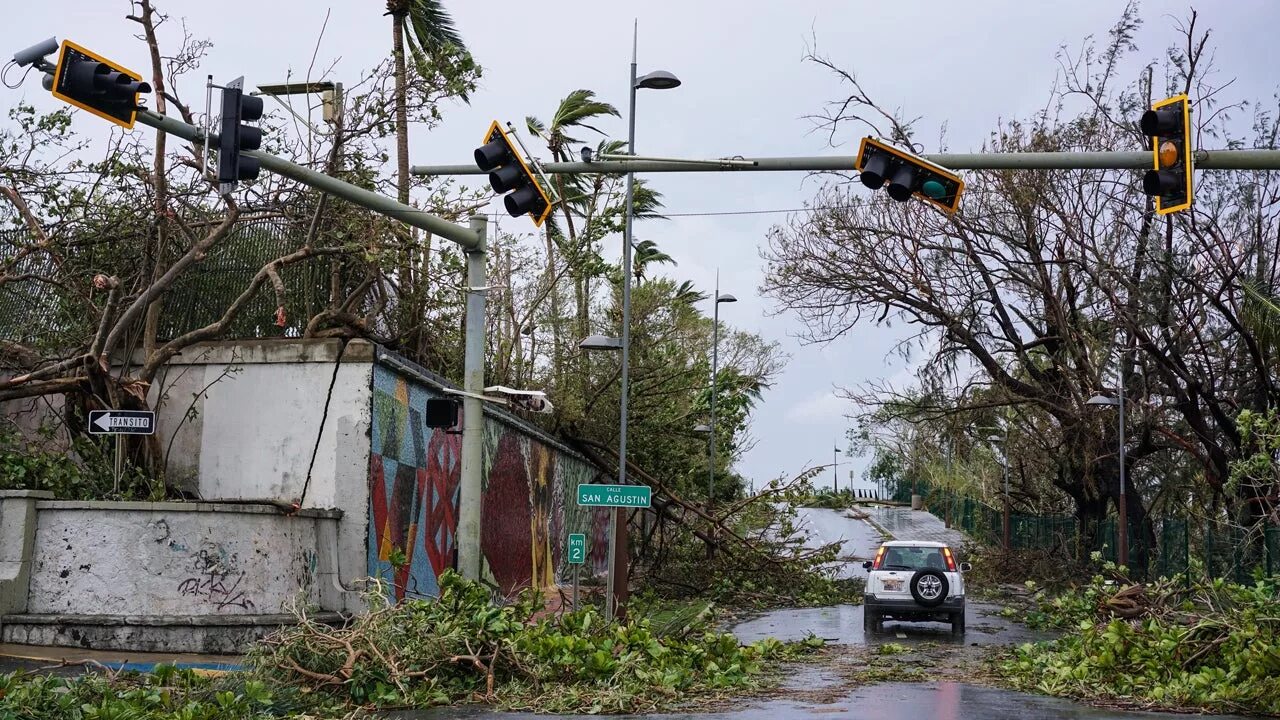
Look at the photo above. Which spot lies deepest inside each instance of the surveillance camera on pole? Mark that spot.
(36, 52)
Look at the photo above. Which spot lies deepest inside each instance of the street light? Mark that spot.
(600, 342)
(715, 371)
(657, 80)
(1004, 463)
(1122, 542)
(835, 470)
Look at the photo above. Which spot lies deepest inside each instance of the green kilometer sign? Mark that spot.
(577, 548)
(614, 495)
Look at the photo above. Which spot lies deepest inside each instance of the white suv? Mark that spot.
(914, 580)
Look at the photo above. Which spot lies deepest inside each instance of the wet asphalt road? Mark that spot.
(887, 701)
(858, 540)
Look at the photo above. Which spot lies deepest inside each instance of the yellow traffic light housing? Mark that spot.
(1168, 124)
(91, 82)
(907, 175)
(509, 173)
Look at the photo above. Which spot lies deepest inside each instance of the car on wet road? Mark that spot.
(914, 581)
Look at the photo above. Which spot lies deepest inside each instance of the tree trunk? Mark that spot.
(409, 307)
(402, 112)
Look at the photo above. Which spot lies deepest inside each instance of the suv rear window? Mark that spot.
(913, 558)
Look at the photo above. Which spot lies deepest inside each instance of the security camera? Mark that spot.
(586, 154)
(24, 58)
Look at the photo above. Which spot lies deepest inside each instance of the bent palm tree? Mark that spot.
(646, 251)
(432, 39)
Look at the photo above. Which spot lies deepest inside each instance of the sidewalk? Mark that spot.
(908, 524)
(29, 657)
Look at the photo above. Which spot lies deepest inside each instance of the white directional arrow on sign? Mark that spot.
(122, 422)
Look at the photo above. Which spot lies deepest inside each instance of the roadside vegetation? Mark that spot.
(1173, 644)
(460, 648)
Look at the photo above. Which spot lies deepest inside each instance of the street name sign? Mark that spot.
(614, 495)
(577, 548)
(122, 422)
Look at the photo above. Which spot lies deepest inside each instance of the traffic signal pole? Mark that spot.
(472, 240)
(356, 195)
(1140, 160)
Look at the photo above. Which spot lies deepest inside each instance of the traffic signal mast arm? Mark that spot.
(406, 214)
(1137, 160)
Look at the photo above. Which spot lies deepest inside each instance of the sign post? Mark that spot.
(614, 496)
(577, 556)
(121, 423)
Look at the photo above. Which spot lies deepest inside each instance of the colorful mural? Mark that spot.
(527, 503)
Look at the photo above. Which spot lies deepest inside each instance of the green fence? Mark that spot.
(1160, 546)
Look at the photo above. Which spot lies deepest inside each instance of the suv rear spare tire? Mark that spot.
(929, 587)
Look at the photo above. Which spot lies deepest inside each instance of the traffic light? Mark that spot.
(91, 82)
(508, 173)
(907, 175)
(234, 137)
(1168, 124)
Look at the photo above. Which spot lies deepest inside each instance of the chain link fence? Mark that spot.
(33, 308)
(1159, 546)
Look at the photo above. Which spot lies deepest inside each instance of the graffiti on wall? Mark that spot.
(215, 578)
(414, 490)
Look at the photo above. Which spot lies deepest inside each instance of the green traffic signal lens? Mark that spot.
(934, 189)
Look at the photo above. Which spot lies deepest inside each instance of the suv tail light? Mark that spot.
(879, 558)
(951, 562)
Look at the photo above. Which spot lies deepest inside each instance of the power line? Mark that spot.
(711, 213)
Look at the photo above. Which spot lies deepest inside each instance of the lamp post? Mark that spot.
(835, 470)
(1122, 543)
(1004, 463)
(656, 80)
(715, 372)
(604, 342)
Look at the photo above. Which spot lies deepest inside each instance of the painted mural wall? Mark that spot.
(528, 506)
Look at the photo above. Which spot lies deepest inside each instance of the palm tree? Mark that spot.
(577, 110)
(432, 39)
(687, 294)
(646, 251)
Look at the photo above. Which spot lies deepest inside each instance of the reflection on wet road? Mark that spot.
(842, 625)
(887, 701)
(858, 539)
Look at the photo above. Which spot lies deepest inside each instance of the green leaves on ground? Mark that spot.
(462, 647)
(167, 694)
(1174, 644)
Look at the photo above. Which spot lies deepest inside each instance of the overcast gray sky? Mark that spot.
(745, 92)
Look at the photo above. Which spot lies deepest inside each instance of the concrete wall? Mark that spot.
(171, 559)
(170, 576)
(243, 421)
